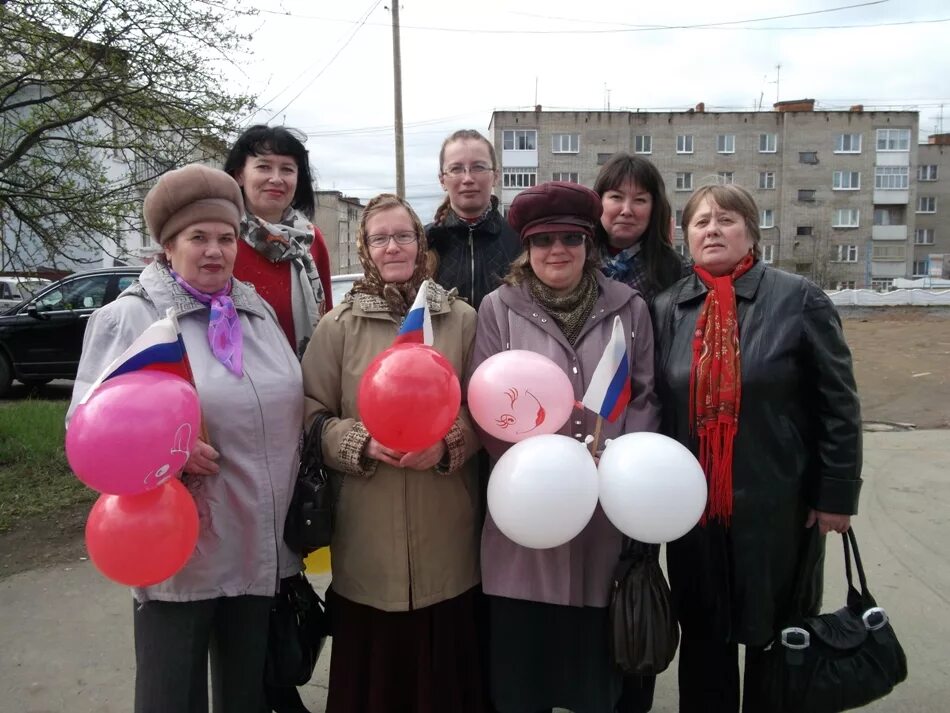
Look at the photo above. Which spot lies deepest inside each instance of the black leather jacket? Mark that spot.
(798, 446)
(473, 259)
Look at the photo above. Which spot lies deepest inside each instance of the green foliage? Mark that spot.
(34, 476)
(97, 98)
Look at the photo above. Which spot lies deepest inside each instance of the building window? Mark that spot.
(924, 236)
(767, 143)
(806, 195)
(643, 144)
(888, 253)
(889, 215)
(680, 248)
(845, 285)
(767, 218)
(803, 230)
(726, 143)
(768, 254)
(846, 181)
(921, 268)
(519, 177)
(927, 173)
(927, 204)
(847, 253)
(678, 218)
(726, 177)
(569, 176)
(891, 178)
(684, 181)
(767, 180)
(882, 284)
(603, 158)
(893, 139)
(848, 143)
(810, 157)
(565, 143)
(684, 143)
(846, 218)
(520, 140)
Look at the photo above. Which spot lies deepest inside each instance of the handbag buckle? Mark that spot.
(795, 638)
(874, 618)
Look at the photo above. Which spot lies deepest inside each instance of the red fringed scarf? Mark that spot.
(715, 386)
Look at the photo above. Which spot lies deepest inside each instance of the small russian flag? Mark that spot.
(609, 390)
(417, 327)
(159, 348)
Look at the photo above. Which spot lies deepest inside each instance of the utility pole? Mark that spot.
(397, 92)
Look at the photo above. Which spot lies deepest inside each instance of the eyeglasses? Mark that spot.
(382, 241)
(475, 170)
(546, 240)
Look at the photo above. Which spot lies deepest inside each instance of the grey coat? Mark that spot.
(254, 422)
(579, 572)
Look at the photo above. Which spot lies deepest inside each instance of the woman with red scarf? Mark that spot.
(755, 377)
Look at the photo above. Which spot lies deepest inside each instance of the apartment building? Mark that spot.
(932, 209)
(837, 190)
(338, 218)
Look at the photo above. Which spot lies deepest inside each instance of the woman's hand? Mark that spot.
(425, 459)
(377, 451)
(828, 522)
(202, 460)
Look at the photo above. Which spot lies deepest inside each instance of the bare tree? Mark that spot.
(98, 97)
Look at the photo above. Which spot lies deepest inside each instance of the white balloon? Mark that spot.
(651, 487)
(543, 491)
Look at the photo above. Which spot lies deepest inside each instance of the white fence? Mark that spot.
(894, 298)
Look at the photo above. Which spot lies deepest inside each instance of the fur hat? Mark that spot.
(553, 207)
(190, 195)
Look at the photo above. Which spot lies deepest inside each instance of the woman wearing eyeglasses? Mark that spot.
(405, 540)
(548, 608)
(469, 241)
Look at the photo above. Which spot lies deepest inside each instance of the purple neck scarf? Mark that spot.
(224, 327)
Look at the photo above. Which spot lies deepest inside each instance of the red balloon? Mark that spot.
(143, 539)
(409, 397)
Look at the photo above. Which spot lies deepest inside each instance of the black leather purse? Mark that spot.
(298, 630)
(644, 632)
(309, 523)
(838, 661)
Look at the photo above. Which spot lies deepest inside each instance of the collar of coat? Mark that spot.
(440, 301)
(157, 282)
(612, 296)
(746, 286)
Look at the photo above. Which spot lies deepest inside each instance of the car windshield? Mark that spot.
(82, 293)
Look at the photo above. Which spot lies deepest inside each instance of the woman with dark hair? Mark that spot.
(635, 230)
(755, 378)
(281, 252)
(405, 534)
(470, 243)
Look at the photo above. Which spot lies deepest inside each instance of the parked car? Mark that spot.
(341, 284)
(14, 290)
(41, 339)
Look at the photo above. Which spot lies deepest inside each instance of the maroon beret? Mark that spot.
(555, 207)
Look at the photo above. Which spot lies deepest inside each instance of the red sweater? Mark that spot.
(272, 279)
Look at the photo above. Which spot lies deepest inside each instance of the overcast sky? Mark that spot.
(326, 67)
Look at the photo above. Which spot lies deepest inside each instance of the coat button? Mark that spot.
(534, 314)
(577, 423)
(543, 320)
(578, 435)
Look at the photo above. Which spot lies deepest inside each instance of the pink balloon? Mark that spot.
(134, 433)
(517, 394)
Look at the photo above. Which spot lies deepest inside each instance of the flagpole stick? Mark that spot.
(203, 428)
(596, 441)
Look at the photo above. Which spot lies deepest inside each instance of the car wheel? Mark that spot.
(6, 374)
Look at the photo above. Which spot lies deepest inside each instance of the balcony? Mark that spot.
(889, 232)
(891, 197)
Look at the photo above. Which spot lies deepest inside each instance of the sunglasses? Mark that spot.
(546, 240)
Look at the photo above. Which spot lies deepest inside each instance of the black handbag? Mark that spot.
(298, 630)
(838, 661)
(644, 632)
(309, 522)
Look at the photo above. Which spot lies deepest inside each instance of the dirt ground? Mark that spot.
(902, 366)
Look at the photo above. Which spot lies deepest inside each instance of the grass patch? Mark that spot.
(35, 478)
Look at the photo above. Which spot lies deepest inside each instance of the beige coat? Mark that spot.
(403, 539)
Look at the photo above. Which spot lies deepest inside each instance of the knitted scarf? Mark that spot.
(224, 326)
(715, 386)
(569, 311)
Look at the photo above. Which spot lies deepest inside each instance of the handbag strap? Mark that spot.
(313, 441)
(850, 544)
